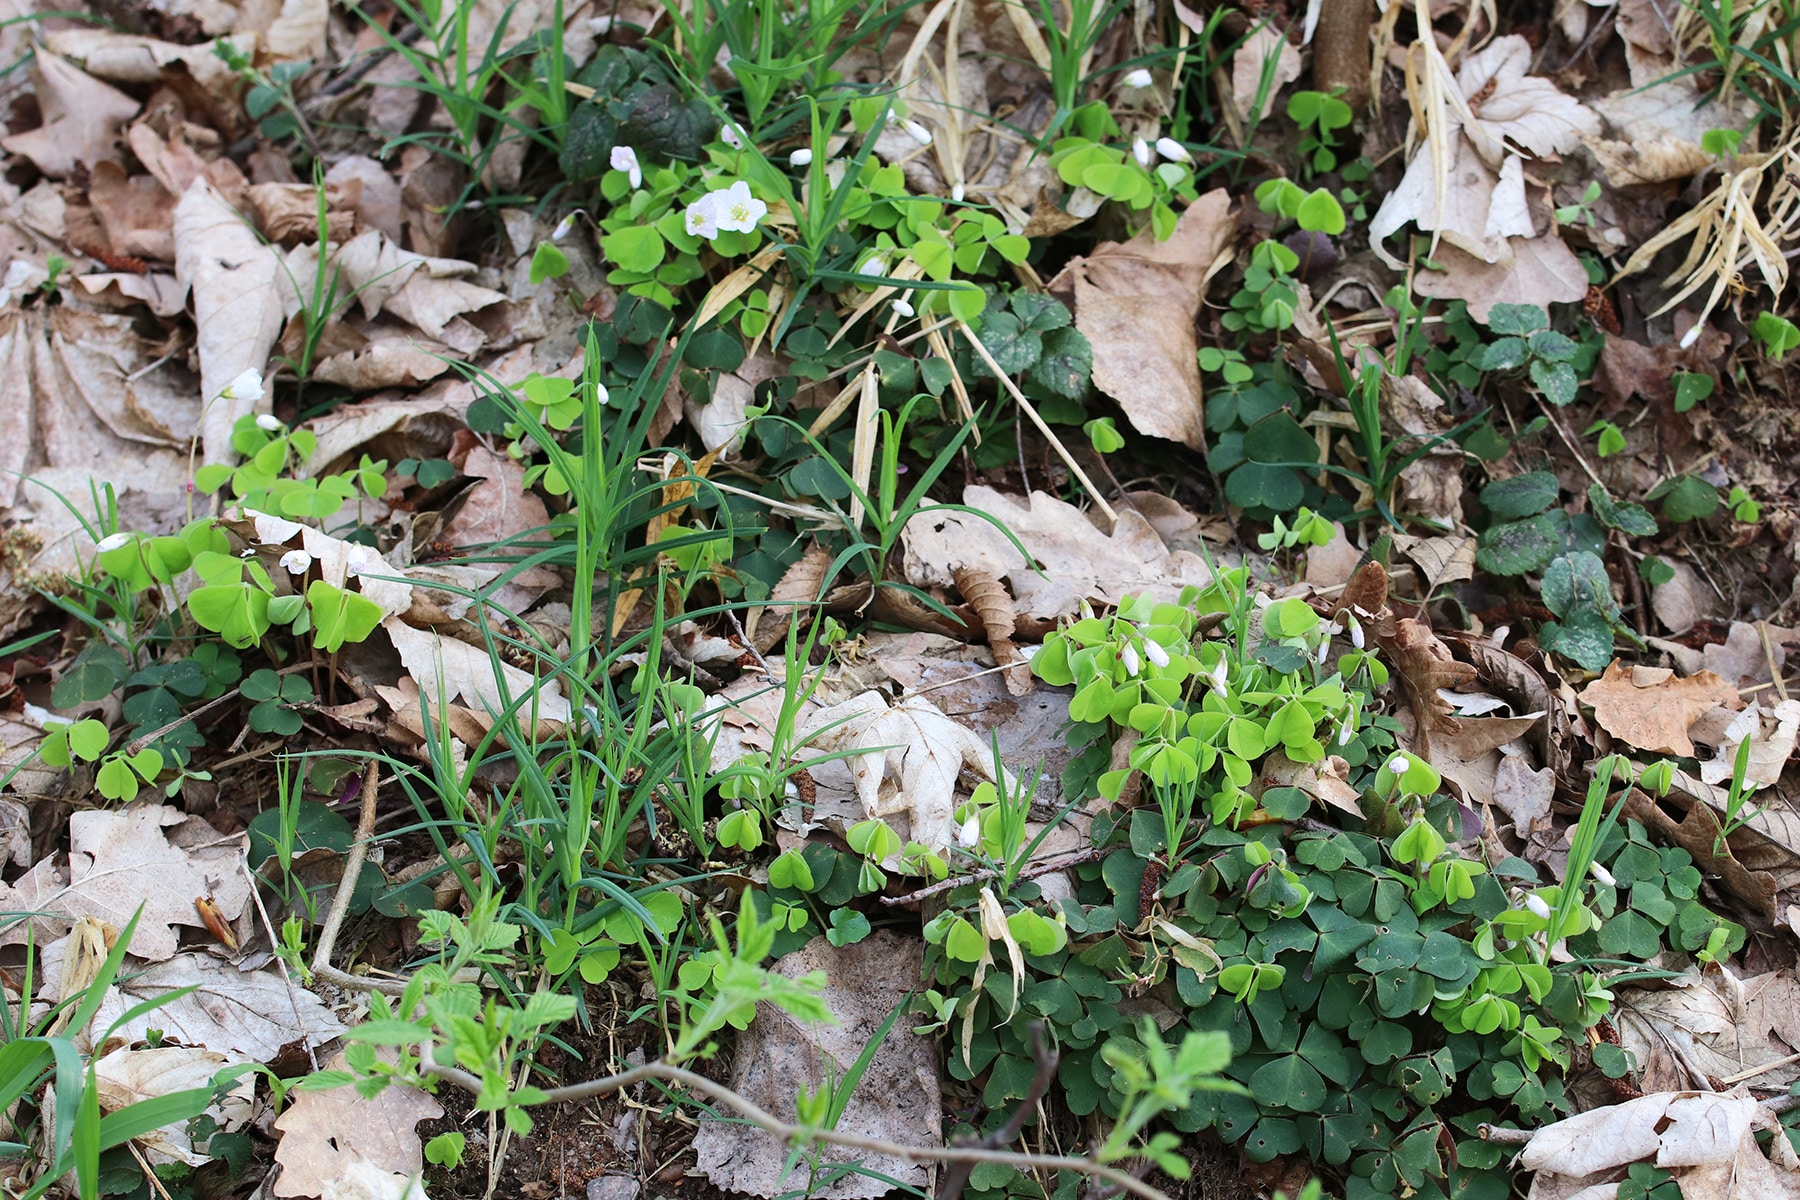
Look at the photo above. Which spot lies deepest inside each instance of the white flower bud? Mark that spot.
(903, 308)
(1345, 733)
(1173, 150)
(296, 562)
(268, 422)
(1324, 651)
(731, 136)
(1536, 904)
(968, 834)
(1691, 336)
(872, 265)
(1356, 630)
(1398, 764)
(956, 192)
(1129, 657)
(1155, 653)
(917, 132)
(800, 158)
(1140, 150)
(112, 541)
(1140, 78)
(563, 228)
(1602, 875)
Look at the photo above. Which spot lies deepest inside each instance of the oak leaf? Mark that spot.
(1651, 708)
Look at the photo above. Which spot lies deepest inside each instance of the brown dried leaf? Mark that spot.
(1135, 301)
(1543, 271)
(1697, 833)
(1651, 708)
(326, 1133)
(991, 602)
(1425, 665)
(1722, 1026)
(795, 593)
(136, 211)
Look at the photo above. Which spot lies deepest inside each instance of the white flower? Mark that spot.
(800, 158)
(1604, 876)
(1215, 678)
(1129, 657)
(1140, 78)
(1399, 764)
(703, 217)
(1173, 150)
(601, 395)
(296, 562)
(872, 265)
(247, 386)
(1536, 904)
(625, 159)
(1155, 653)
(112, 541)
(1324, 651)
(1356, 630)
(903, 308)
(917, 132)
(564, 227)
(968, 834)
(957, 193)
(731, 135)
(600, 25)
(268, 422)
(1140, 150)
(1345, 733)
(736, 210)
(1691, 336)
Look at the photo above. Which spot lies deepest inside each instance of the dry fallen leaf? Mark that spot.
(1719, 1026)
(327, 1133)
(987, 596)
(905, 760)
(1073, 560)
(445, 669)
(1247, 64)
(82, 119)
(126, 1076)
(1135, 302)
(897, 1100)
(1543, 271)
(237, 304)
(1651, 708)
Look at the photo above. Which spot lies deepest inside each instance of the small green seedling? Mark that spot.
(1323, 114)
(1777, 334)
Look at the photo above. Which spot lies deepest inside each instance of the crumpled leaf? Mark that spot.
(1772, 733)
(1135, 302)
(1706, 1139)
(1651, 708)
(126, 1077)
(987, 596)
(329, 1133)
(1721, 1027)
(1247, 69)
(897, 1100)
(906, 760)
(445, 669)
(425, 292)
(82, 119)
(1542, 271)
(1073, 560)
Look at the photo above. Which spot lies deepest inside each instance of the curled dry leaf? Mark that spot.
(1771, 732)
(905, 760)
(1722, 1026)
(988, 597)
(1543, 271)
(1700, 834)
(328, 1132)
(1651, 708)
(794, 594)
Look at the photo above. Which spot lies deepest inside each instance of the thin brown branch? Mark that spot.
(768, 1122)
(340, 903)
(1031, 871)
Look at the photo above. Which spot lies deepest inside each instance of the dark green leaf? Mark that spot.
(1520, 496)
(1519, 547)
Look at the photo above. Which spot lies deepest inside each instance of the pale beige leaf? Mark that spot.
(1525, 110)
(1543, 272)
(1598, 1139)
(235, 279)
(1071, 560)
(82, 118)
(339, 561)
(1523, 794)
(128, 58)
(905, 760)
(1249, 63)
(326, 1133)
(447, 669)
(126, 1077)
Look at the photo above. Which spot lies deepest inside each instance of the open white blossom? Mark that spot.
(736, 210)
(1140, 78)
(702, 219)
(247, 386)
(296, 562)
(625, 159)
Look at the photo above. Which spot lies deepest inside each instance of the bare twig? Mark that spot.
(269, 928)
(768, 1122)
(340, 903)
(1032, 871)
(957, 1177)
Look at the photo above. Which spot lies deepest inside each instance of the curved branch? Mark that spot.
(768, 1122)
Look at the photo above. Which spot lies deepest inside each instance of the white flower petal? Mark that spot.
(801, 158)
(1536, 904)
(247, 386)
(1140, 78)
(112, 541)
(1173, 150)
(268, 422)
(296, 562)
